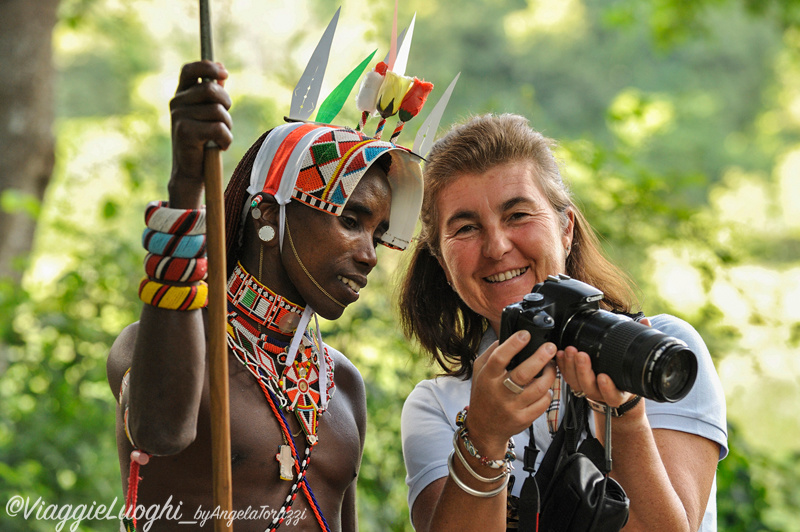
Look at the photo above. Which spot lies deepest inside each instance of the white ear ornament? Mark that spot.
(266, 233)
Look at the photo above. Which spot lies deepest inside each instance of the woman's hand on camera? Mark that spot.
(496, 410)
(576, 368)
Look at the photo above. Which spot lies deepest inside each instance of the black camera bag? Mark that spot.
(579, 496)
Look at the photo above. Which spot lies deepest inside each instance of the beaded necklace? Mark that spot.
(261, 304)
(296, 387)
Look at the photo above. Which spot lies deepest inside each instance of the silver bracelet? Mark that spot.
(471, 491)
(469, 467)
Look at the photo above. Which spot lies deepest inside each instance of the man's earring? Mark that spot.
(266, 233)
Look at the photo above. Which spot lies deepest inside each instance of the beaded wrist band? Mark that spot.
(463, 433)
(614, 411)
(184, 247)
(168, 268)
(185, 222)
(469, 468)
(173, 297)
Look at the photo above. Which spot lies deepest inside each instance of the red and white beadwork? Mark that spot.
(262, 304)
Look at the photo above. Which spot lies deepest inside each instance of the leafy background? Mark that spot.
(679, 130)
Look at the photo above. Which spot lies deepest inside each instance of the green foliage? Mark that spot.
(99, 78)
(744, 503)
(56, 424)
(13, 201)
(760, 491)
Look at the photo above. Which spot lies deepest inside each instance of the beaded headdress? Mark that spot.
(321, 164)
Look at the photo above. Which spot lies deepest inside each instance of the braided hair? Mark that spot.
(235, 196)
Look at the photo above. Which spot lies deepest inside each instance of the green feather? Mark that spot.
(335, 100)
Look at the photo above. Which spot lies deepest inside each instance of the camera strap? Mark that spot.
(537, 480)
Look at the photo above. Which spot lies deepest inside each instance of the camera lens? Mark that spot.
(678, 373)
(639, 359)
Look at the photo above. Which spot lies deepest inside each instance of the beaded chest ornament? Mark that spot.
(303, 385)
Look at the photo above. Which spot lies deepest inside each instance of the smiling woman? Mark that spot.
(504, 216)
(498, 219)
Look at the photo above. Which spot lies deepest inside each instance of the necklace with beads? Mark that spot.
(301, 383)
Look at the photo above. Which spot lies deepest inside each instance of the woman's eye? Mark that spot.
(518, 216)
(465, 229)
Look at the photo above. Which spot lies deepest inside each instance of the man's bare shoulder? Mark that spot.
(120, 356)
(350, 383)
(347, 375)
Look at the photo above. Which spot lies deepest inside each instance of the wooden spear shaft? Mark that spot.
(217, 312)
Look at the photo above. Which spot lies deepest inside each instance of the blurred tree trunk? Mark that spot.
(27, 146)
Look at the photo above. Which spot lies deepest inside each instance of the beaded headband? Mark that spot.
(320, 166)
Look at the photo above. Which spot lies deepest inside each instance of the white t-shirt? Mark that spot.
(428, 420)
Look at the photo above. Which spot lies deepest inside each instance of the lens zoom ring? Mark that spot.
(619, 339)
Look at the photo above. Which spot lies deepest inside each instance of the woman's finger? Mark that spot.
(532, 367)
(576, 368)
(479, 362)
(498, 359)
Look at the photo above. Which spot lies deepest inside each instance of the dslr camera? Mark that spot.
(638, 358)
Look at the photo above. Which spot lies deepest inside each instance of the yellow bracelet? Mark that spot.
(173, 297)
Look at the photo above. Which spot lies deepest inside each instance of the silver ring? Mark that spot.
(578, 394)
(513, 386)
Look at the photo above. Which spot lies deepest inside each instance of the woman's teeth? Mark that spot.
(353, 286)
(505, 276)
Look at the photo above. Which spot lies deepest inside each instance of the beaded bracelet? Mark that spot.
(471, 491)
(471, 471)
(168, 268)
(158, 216)
(463, 433)
(173, 297)
(184, 247)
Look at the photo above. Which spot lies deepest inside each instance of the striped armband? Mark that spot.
(183, 247)
(158, 216)
(175, 269)
(173, 297)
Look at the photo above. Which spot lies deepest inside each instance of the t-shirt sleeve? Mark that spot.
(702, 411)
(427, 435)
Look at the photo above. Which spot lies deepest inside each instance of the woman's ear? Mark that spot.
(569, 229)
(446, 271)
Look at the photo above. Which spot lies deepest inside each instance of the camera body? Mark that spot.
(639, 359)
(550, 303)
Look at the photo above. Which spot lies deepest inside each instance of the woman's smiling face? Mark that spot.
(499, 236)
